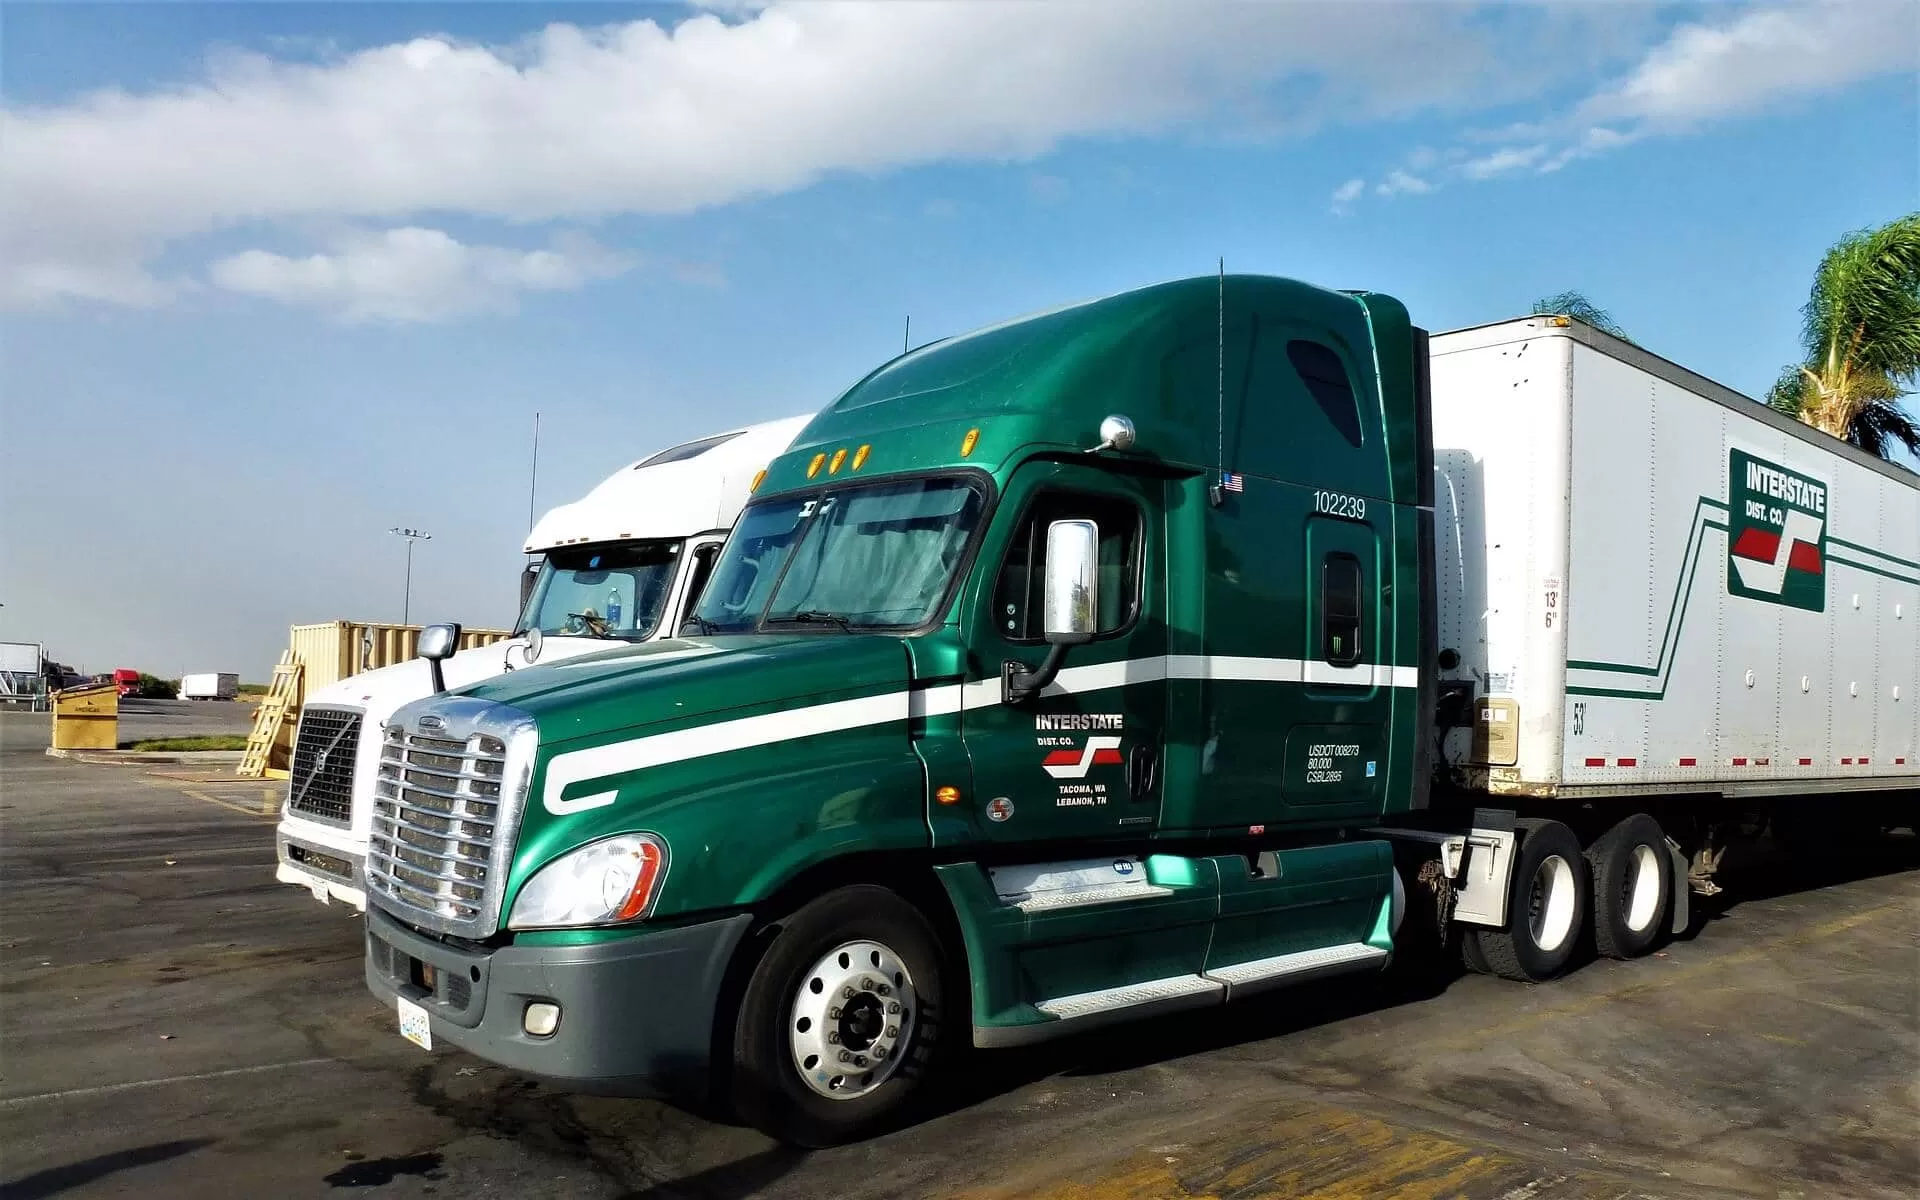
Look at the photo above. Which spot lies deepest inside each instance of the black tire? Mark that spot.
(767, 1090)
(1632, 887)
(1546, 910)
(1472, 957)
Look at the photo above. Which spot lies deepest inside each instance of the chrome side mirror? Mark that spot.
(1069, 612)
(437, 643)
(1069, 609)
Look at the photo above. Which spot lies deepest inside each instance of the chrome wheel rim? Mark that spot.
(1551, 903)
(851, 1020)
(1640, 891)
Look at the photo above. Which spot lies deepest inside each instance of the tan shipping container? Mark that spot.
(333, 650)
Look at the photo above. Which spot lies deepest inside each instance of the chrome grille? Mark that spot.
(437, 822)
(320, 783)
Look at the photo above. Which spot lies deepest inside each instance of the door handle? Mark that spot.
(1143, 772)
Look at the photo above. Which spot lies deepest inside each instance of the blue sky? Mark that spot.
(278, 277)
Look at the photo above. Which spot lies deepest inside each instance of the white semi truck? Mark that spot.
(623, 564)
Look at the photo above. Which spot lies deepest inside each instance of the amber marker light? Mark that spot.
(813, 468)
(947, 795)
(839, 456)
(967, 443)
(759, 477)
(860, 457)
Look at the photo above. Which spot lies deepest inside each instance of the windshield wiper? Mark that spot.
(813, 616)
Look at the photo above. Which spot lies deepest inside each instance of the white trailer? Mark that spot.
(22, 679)
(210, 685)
(626, 562)
(1656, 585)
(1666, 616)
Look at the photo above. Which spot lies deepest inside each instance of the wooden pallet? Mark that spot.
(277, 711)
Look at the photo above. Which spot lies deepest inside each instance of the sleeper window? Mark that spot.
(1340, 591)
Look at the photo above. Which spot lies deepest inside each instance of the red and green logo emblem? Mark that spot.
(1776, 534)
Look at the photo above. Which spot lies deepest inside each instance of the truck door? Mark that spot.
(1336, 754)
(1082, 759)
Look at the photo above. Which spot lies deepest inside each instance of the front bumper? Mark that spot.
(329, 863)
(636, 1015)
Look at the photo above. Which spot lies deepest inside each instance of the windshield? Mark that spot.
(608, 590)
(876, 556)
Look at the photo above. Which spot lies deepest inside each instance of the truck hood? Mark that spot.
(684, 678)
(379, 692)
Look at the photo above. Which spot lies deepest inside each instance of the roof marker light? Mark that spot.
(967, 443)
(860, 456)
(759, 477)
(839, 456)
(813, 468)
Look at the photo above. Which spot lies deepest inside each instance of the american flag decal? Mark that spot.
(1230, 482)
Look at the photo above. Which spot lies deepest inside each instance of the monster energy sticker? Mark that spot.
(1776, 534)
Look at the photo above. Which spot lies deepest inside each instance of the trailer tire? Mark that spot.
(896, 961)
(1547, 908)
(1632, 887)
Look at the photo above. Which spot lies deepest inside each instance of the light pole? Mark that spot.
(412, 536)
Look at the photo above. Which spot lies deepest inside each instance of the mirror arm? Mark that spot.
(1018, 684)
(439, 678)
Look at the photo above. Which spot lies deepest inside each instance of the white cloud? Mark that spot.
(1740, 64)
(1504, 161)
(1759, 59)
(413, 275)
(577, 123)
(1397, 182)
(1347, 193)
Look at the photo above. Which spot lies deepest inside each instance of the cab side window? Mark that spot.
(1020, 590)
(703, 560)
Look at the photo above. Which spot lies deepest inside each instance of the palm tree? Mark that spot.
(1576, 305)
(1862, 337)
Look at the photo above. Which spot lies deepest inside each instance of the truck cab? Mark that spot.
(623, 565)
(1051, 678)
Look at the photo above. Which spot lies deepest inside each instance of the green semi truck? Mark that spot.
(1138, 656)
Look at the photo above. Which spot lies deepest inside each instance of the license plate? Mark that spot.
(414, 1025)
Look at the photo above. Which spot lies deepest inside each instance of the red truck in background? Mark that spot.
(126, 681)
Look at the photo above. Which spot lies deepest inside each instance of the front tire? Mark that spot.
(1632, 887)
(842, 1020)
(1546, 909)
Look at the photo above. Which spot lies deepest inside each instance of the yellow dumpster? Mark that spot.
(86, 718)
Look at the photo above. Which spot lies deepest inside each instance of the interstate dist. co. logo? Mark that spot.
(1776, 534)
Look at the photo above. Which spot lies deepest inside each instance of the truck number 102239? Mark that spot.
(1336, 504)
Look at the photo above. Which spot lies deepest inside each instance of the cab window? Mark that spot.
(1020, 590)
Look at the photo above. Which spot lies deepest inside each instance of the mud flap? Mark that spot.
(1682, 894)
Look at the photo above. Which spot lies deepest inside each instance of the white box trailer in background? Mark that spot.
(210, 685)
(1652, 586)
(21, 675)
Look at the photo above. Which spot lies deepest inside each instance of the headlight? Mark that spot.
(601, 883)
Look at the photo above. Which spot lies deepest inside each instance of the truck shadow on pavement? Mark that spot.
(1762, 873)
(55, 1180)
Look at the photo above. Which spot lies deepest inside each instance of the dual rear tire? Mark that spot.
(1622, 885)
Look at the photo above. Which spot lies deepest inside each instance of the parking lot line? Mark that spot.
(266, 807)
(131, 1085)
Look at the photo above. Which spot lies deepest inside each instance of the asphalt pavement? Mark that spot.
(175, 1023)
